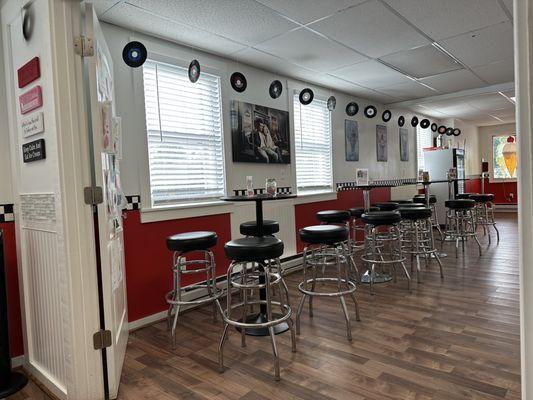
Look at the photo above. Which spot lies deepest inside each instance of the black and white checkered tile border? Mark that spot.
(279, 190)
(6, 213)
(384, 182)
(134, 202)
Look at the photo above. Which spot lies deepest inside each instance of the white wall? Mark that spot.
(130, 106)
(6, 195)
(485, 139)
(467, 140)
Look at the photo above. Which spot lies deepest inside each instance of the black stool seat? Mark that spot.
(421, 198)
(254, 248)
(358, 212)
(249, 228)
(402, 201)
(387, 206)
(482, 198)
(412, 205)
(459, 204)
(324, 234)
(464, 195)
(333, 216)
(189, 241)
(382, 218)
(415, 212)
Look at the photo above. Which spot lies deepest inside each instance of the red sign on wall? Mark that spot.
(29, 72)
(31, 100)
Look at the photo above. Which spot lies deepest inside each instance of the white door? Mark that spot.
(105, 134)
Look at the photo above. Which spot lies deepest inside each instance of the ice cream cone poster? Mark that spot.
(505, 156)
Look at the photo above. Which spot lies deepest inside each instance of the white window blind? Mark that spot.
(184, 128)
(423, 140)
(312, 128)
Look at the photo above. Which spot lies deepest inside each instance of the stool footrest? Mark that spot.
(350, 284)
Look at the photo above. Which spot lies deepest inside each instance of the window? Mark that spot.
(184, 128)
(504, 159)
(424, 139)
(312, 129)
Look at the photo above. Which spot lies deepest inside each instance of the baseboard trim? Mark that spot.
(17, 361)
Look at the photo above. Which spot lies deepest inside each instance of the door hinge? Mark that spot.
(84, 46)
(102, 339)
(93, 195)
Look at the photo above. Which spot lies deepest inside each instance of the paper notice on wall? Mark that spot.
(115, 258)
(39, 207)
(107, 125)
(33, 125)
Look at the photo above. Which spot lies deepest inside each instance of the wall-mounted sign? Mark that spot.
(33, 151)
(33, 125)
(31, 100)
(29, 72)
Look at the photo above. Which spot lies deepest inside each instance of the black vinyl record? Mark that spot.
(449, 131)
(386, 116)
(134, 54)
(306, 96)
(238, 82)
(424, 123)
(414, 121)
(275, 89)
(27, 21)
(370, 111)
(194, 71)
(456, 132)
(441, 130)
(401, 120)
(352, 108)
(332, 103)
(434, 127)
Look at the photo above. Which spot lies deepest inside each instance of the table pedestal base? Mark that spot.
(261, 319)
(12, 384)
(379, 277)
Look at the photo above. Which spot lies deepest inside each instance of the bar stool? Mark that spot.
(387, 206)
(358, 227)
(323, 250)
(402, 202)
(417, 236)
(460, 196)
(420, 199)
(261, 276)
(249, 228)
(182, 245)
(484, 210)
(383, 245)
(461, 222)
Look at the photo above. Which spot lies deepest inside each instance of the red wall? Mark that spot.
(501, 190)
(13, 298)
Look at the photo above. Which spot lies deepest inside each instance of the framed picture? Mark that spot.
(404, 145)
(259, 134)
(351, 134)
(361, 177)
(381, 142)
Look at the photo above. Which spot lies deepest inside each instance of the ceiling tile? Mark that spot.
(408, 91)
(422, 61)
(490, 102)
(370, 28)
(371, 74)
(101, 6)
(310, 50)
(484, 46)
(441, 19)
(311, 11)
(243, 21)
(509, 5)
(454, 81)
(498, 72)
(262, 60)
(137, 20)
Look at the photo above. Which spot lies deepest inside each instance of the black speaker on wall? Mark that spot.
(10, 382)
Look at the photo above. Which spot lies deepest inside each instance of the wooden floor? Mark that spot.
(452, 339)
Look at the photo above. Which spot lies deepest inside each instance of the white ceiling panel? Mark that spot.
(422, 61)
(509, 5)
(441, 19)
(498, 72)
(311, 11)
(371, 74)
(454, 81)
(101, 6)
(244, 21)
(262, 60)
(408, 90)
(491, 102)
(308, 49)
(481, 47)
(372, 29)
(137, 20)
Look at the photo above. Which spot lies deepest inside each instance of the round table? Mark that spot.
(261, 317)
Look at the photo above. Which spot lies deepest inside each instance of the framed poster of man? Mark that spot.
(381, 142)
(404, 145)
(351, 133)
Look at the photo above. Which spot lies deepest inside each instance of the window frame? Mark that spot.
(492, 178)
(418, 129)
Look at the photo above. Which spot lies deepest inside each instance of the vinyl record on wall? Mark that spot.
(275, 89)
(401, 120)
(424, 124)
(386, 116)
(351, 109)
(434, 127)
(27, 21)
(441, 130)
(306, 96)
(449, 131)
(194, 71)
(238, 82)
(332, 103)
(370, 111)
(414, 121)
(456, 132)
(134, 54)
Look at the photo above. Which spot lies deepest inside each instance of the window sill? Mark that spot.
(314, 197)
(186, 210)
